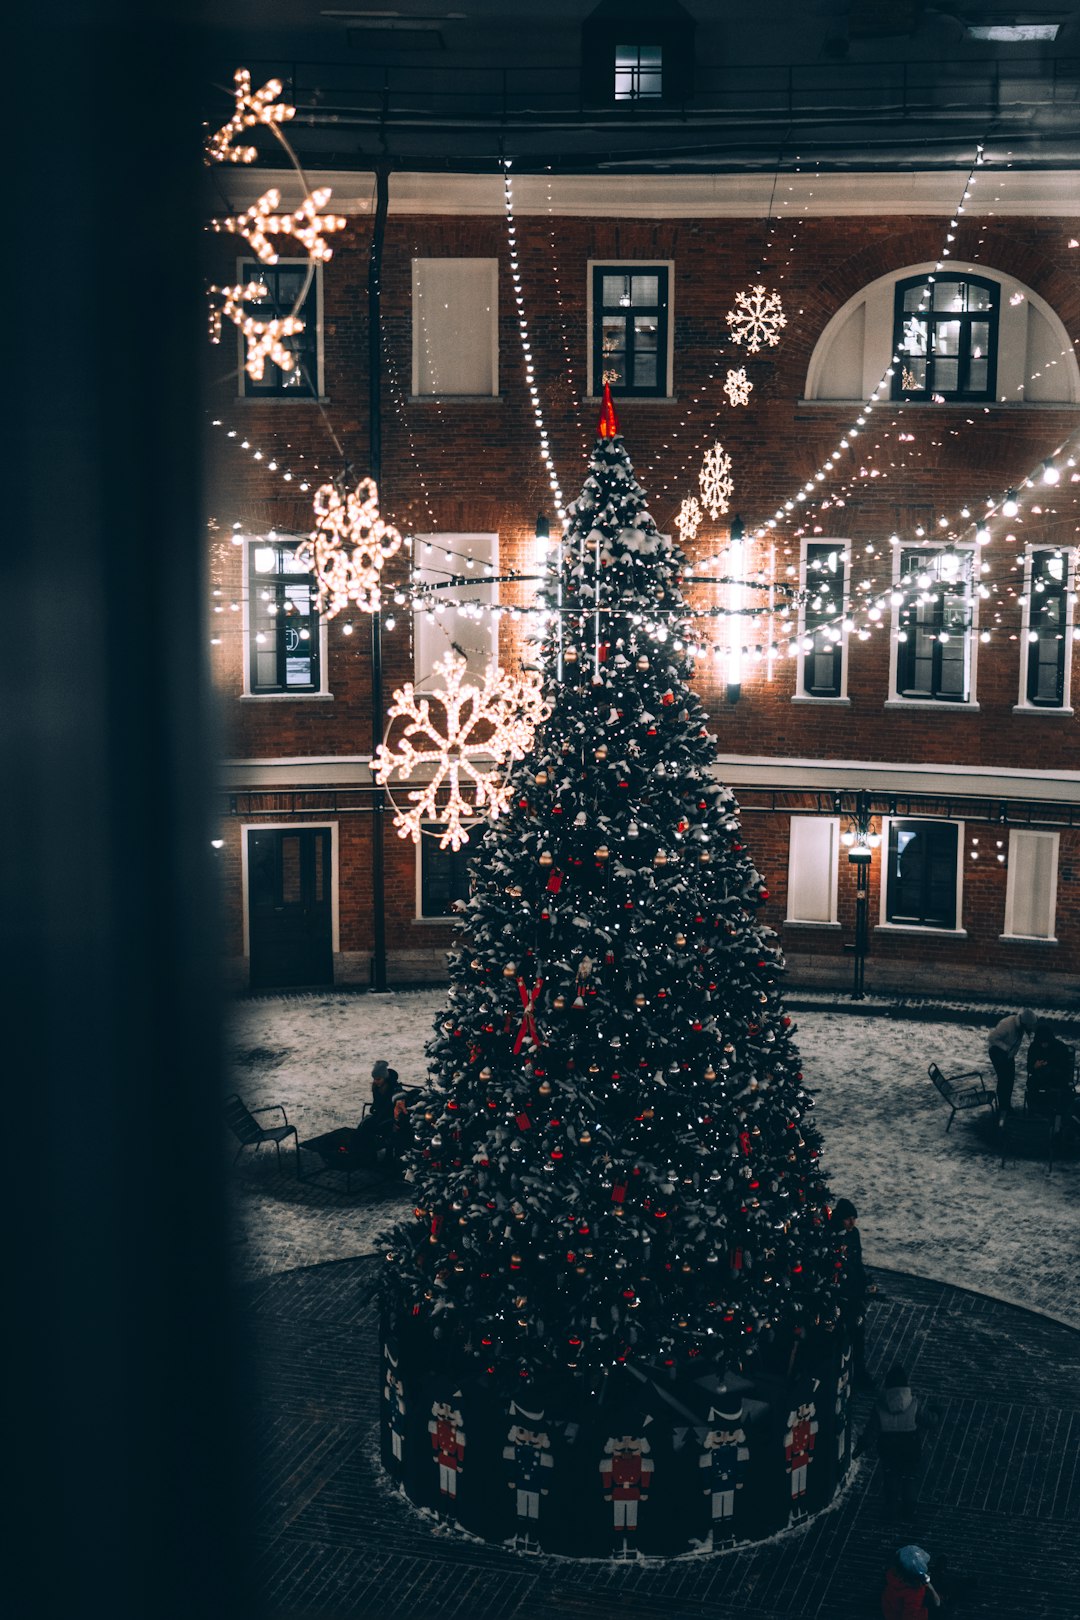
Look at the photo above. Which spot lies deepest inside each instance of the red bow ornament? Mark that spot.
(528, 1030)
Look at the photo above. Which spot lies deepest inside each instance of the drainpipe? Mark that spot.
(378, 819)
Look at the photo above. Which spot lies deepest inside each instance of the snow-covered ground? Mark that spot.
(939, 1206)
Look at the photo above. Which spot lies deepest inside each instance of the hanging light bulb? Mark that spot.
(1050, 472)
(1010, 505)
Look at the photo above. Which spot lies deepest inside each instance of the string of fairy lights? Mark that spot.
(865, 604)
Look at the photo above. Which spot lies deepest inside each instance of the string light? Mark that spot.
(305, 225)
(526, 347)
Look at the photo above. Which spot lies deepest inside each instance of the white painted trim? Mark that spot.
(1012, 338)
(884, 776)
(1023, 706)
(619, 263)
(959, 931)
(281, 826)
(241, 374)
(896, 699)
(808, 540)
(806, 195)
(245, 615)
(1010, 883)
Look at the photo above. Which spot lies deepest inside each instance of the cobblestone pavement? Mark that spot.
(1000, 1494)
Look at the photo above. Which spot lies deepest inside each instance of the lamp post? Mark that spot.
(861, 843)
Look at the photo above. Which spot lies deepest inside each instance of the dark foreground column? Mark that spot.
(125, 1460)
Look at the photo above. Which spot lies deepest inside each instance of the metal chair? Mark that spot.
(249, 1133)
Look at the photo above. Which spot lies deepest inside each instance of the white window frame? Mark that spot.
(833, 824)
(324, 693)
(613, 262)
(1023, 704)
(970, 704)
(844, 546)
(243, 391)
(449, 553)
(291, 826)
(1049, 937)
(925, 929)
(492, 268)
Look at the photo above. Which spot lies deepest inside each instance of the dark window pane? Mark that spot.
(290, 870)
(444, 876)
(921, 874)
(616, 290)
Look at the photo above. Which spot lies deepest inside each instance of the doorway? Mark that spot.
(290, 914)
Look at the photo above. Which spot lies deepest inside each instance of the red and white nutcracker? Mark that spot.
(799, 1446)
(626, 1474)
(448, 1443)
(394, 1395)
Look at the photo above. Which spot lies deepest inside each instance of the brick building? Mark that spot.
(918, 694)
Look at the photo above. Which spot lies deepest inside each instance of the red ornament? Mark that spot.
(555, 881)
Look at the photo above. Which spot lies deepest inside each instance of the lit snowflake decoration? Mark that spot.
(716, 481)
(479, 729)
(253, 107)
(348, 546)
(689, 519)
(305, 225)
(264, 339)
(738, 386)
(756, 319)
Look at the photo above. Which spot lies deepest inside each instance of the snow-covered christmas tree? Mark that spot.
(615, 1164)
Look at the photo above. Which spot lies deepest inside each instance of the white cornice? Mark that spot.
(1050, 192)
(737, 770)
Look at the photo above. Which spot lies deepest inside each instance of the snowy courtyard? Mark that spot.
(939, 1206)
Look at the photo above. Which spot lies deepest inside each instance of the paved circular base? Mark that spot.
(1000, 1493)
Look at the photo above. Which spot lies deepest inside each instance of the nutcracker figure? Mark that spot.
(725, 1454)
(625, 1470)
(527, 1453)
(394, 1395)
(448, 1444)
(799, 1446)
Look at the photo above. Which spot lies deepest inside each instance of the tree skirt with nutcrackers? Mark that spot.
(658, 1462)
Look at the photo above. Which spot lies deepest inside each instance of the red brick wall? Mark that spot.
(475, 466)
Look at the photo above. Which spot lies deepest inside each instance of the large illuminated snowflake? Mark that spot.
(264, 339)
(348, 546)
(253, 107)
(305, 225)
(717, 484)
(738, 387)
(756, 319)
(476, 730)
(689, 519)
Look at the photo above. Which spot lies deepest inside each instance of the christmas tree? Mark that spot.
(615, 1161)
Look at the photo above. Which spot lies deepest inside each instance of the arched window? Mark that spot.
(945, 331)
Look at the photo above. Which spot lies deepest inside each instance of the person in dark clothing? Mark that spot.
(374, 1133)
(897, 1422)
(855, 1285)
(1005, 1041)
(1050, 1076)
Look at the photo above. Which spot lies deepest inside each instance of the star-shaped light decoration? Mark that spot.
(689, 519)
(756, 319)
(348, 546)
(717, 484)
(252, 108)
(305, 224)
(263, 338)
(738, 387)
(476, 731)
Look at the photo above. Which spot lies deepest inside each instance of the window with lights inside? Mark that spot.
(1047, 618)
(945, 333)
(822, 660)
(283, 621)
(936, 613)
(630, 328)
